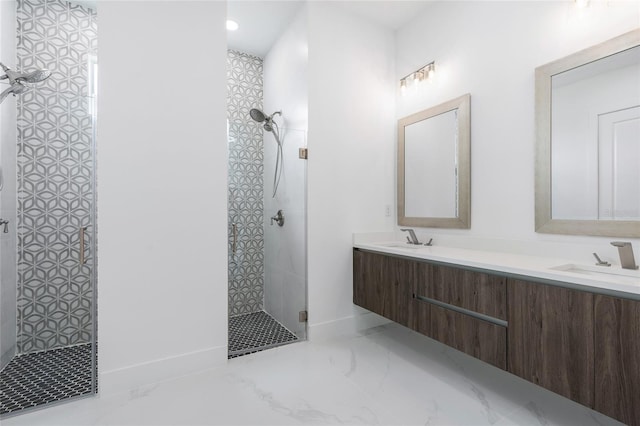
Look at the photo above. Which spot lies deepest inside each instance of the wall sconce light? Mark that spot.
(426, 72)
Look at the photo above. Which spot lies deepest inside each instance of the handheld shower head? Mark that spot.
(31, 77)
(271, 126)
(16, 80)
(260, 117)
(35, 76)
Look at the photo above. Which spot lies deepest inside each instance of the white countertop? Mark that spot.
(612, 280)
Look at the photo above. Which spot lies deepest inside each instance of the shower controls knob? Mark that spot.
(278, 218)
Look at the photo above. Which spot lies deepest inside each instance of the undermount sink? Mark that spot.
(627, 276)
(399, 244)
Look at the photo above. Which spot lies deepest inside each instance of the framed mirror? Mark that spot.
(588, 141)
(434, 157)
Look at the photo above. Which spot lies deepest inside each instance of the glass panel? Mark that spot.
(55, 344)
(285, 284)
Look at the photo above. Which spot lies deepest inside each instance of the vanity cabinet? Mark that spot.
(385, 285)
(449, 301)
(579, 344)
(617, 358)
(437, 301)
(551, 338)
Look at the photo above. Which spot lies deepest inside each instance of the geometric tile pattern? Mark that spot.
(55, 175)
(39, 378)
(245, 188)
(254, 332)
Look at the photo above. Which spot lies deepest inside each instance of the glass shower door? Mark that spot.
(55, 357)
(285, 286)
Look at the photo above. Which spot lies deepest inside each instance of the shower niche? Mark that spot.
(266, 216)
(48, 296)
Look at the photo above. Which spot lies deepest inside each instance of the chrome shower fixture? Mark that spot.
(260, 117)
(17, 80)
(271, 126)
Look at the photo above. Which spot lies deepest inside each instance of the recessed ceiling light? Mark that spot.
(232, 25)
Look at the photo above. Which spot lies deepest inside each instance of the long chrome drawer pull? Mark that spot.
(468, 312)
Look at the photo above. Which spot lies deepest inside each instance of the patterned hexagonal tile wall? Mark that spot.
(55, 157)
(246, 265)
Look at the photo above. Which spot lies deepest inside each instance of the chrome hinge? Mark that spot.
(303, 316)
(303, 153)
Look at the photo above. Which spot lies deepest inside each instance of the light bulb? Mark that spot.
(432, 72)
(232, 25)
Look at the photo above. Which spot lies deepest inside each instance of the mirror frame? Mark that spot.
(463, 220)
(544, 223)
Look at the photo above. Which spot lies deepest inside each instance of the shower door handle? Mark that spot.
(82, 259)
(234, 230)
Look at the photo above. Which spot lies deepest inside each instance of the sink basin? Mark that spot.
(614, 273)
(399, 244)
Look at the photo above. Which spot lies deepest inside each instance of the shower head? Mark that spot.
(257, 115)
(35, 76)
(17, 77)
(17, 80)
(260, 117)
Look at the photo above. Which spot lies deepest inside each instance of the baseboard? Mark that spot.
(131, 377)
(345, 326)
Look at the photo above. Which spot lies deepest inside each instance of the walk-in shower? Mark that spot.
(267, 285)
(47, 291)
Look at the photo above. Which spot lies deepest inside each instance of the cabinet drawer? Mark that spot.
(475, 291)
(473, 336)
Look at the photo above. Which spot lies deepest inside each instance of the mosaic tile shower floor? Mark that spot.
(255, 332)
(39, 378)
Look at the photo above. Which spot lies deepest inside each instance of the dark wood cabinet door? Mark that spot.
(385, 285)
(617, 358)
(475, 337)
(475, 291)
(550, 338)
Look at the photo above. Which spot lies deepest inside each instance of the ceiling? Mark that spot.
(261, 22)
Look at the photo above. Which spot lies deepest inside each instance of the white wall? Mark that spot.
(286, 89)
(8, 205)
(162, 238)
(490, 49)
(351, 162)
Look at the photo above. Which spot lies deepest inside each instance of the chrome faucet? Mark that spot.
(413, 239)
(625, 250)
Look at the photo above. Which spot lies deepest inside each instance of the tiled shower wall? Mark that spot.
(246, 158)
(55, 175)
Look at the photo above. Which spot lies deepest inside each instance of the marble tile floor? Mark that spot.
(388, 375)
